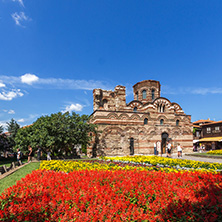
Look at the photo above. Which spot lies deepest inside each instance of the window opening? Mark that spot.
(163, 109)
(160, 108)
(131, 146)
(217, 128)
(208, 130)
(144, 94)
(137, 97)
(153, 94)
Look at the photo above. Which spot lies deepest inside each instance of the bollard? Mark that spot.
(5, 169)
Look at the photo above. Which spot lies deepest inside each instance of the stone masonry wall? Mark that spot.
(119, 123)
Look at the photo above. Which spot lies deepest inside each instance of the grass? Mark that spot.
(17, 175)
(205, 155)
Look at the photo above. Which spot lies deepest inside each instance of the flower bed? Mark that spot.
(69, 166)
(215, 152)
(168, 162)
(119, 195)
(113, 164)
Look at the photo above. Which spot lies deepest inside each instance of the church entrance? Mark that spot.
(163, 143)
(131, 146)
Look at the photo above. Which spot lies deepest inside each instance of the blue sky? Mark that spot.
(53, 53)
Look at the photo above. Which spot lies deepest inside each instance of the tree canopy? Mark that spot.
(4, 141)
(57, 133)
(1, 129)
(12, 128)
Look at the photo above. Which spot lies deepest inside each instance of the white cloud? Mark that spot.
(21, 120)
(204, 91)
(168, 90)
(11, 94)
(10, 79)
(30, 118)
(20, 2)
(190, 90)
(2, 84)
(4, 124)
(73, 107)
(74, 84)
(29, 78)
(11, 111)
(53, 83)
(20, 17)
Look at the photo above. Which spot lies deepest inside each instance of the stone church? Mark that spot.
(134, 128)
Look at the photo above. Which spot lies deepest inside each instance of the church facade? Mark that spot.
(134, 128)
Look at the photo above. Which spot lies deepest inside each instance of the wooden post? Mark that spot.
(5, 169)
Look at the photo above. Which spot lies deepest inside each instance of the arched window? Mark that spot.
(144, 94)
(131, 146)
(137, 97)
(105, 105)
(135, 109)
(161, 122)
(145, 121)
(163, 108)
(153, 94)
(177, 123)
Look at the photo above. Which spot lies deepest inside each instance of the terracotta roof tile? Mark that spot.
(203, 120)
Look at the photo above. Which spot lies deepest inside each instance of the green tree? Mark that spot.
(12, 128)
(1, 129)
(58, 133)
(4, 141)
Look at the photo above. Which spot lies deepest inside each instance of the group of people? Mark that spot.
(169, 149)
(31, 154)
(157, 149)
(201, 147)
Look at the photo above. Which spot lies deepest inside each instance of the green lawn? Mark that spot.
(17, 175)
(205, 155)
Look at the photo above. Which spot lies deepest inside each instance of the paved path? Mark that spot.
(204, 159)
(11, 171)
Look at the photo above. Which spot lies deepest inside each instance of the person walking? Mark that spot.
(30, 154)
(49, 155)
(39, 153)
(179, 150)
(158, 147)
(19, 156)
(155, 149)
(168, 149)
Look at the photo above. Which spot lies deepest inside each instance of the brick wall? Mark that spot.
(118, 122)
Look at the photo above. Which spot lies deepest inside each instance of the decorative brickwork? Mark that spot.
(133, 128)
